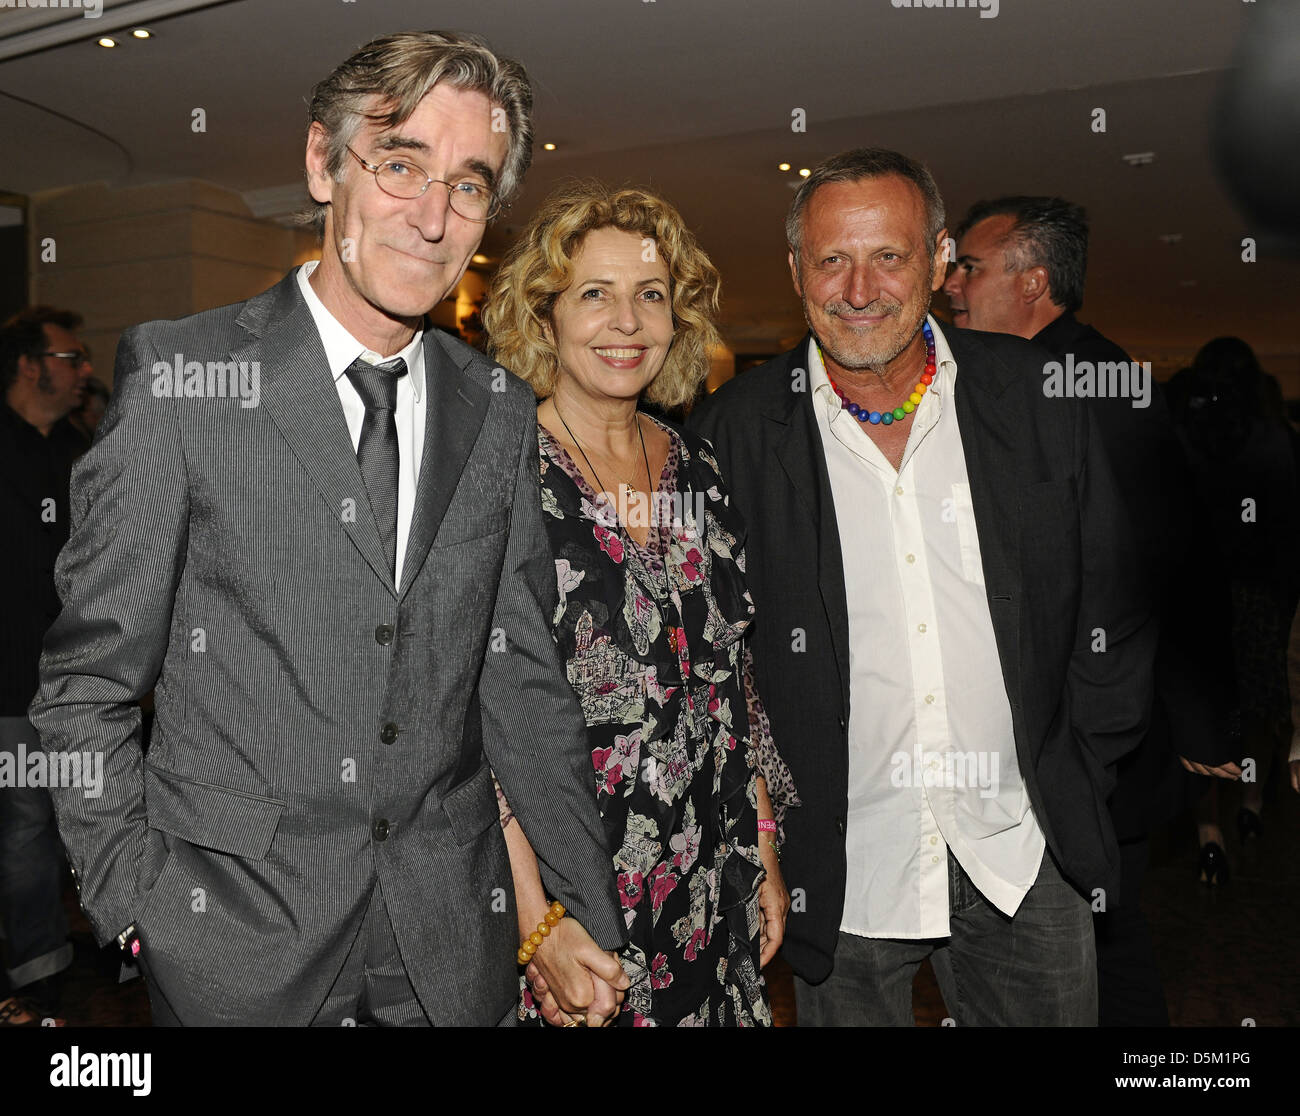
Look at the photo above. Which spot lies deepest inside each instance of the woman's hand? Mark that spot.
(773, 904)
(572, 977)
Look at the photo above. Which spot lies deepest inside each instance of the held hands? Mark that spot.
(573, 978)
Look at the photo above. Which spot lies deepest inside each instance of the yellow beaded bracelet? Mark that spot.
(544, 928)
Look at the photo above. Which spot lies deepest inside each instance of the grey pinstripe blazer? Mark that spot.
(212, 554)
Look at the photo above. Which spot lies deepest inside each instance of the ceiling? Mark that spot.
(696, 99)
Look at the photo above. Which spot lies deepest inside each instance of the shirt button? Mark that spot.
(388, 733)
(934, 840)
(929, 699)
(898, 491)
(921, 628)
(380, 830)
(934, 860)
(384, 634)
(911, 558)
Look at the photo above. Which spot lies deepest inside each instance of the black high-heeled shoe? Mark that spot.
(1248, 824)
(1214, 864)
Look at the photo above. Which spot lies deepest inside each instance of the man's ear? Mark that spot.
(1033, 284)
(794, 273)
(320, 183)
(940, 261)
(29, 368)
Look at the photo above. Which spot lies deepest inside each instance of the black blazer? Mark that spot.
(1057, 565)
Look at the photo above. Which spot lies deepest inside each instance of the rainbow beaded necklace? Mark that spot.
(884, 418)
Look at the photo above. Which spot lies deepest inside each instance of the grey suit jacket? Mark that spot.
(317, 727)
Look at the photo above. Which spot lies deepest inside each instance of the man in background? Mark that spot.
(43, 373)
(1020, 269)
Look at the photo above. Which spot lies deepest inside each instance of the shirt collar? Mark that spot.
(342, 349)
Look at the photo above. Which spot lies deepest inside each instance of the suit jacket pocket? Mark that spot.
(471, 528)
(210, 816)
(472, 806)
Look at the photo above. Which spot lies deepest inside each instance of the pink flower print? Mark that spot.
(629, 889)
(662, 883)
(699, 938)
(609, 542)
(660, 976)
(608, 775)
(686, 847)
(691, 565)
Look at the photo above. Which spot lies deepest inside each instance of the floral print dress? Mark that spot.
(651, 639)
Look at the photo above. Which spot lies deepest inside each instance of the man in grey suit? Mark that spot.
(314, 526)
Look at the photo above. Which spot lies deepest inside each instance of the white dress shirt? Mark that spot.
(341, 349)
(928, 703)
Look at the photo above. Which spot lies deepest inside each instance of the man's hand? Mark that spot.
(1223, 771)
(571, 974)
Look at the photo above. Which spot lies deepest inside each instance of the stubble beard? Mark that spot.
(876, 363)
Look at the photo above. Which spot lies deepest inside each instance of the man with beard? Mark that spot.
(949, 639)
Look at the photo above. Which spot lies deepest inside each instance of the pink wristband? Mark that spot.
(766, 825)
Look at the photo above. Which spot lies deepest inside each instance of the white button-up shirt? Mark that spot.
(932, 756)
(341, 349)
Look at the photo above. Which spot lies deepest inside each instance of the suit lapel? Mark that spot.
(455, 408)
(990, 419)
(299, 396)
(799, 450)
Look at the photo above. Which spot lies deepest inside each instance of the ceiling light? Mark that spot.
(548, 147)
(478, 258)
(783, 166)
(107, 42)
(804, 172)
(142, 33)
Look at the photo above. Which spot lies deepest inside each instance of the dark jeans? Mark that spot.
(1038, 969)
(31, 871)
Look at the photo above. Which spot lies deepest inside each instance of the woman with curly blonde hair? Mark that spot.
(604, 301)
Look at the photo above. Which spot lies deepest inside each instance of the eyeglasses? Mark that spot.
(400, 178)
(78, 358)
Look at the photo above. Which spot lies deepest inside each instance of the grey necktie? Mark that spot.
(377, 450)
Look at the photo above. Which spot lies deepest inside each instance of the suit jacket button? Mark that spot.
(384, 635)
(380, 830)
(839, 824)
(388, 733)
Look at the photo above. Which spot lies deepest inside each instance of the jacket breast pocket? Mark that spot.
(211, 816)
(470, 527)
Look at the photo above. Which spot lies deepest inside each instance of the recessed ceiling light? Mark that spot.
(783, 166)
(107, 42)
(478, 258)
(548, 147)
(804, 172)
(142, 33)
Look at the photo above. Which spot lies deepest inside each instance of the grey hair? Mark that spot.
(400, 69)
(857, 164)
(1051, 233)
